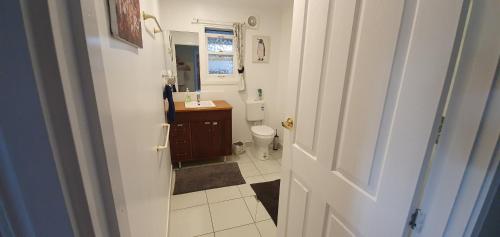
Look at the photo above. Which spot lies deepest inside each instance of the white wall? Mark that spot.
(184, 38)
(275, 21)
(134, 84)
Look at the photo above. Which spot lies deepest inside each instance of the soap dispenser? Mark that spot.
(259, 92)
(188, 96)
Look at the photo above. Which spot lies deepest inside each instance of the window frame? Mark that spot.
(218, 77)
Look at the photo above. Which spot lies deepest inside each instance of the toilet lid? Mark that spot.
(262, 130)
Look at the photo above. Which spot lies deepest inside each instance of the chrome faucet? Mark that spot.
(198, 94)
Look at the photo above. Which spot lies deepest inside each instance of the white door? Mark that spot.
(366, 79)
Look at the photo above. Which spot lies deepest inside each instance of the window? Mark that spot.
(220, 48)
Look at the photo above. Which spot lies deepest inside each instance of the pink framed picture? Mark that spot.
(125, 19)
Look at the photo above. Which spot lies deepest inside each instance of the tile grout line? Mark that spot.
(239, 190)
(261, 222)
(253, 222)
(234, 227)
(253, 161)
(204, 234)
(258, 230)
(256, 203)
(225, 200)
(260, 172)
(248, 208)
(207, 203)
(265, 221)
(184, 208)
(210, 212)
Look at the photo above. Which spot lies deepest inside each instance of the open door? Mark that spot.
(366, 79)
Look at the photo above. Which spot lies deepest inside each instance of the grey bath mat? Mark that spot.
(194, 179)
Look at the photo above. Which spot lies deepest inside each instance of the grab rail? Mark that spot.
(158, 148)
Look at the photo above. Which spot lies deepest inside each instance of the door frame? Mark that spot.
(70, 80)
(426, 33)
(463, 165)
(78, 60)
(79, 55)
(57, 51)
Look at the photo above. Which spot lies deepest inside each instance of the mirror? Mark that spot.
(186, 52)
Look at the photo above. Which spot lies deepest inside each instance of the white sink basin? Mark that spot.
(201, 104)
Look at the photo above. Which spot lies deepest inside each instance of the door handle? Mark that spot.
(288, 123)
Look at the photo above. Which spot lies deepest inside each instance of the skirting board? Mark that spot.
(169, 198)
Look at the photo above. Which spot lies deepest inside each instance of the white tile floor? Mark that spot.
(228, 211)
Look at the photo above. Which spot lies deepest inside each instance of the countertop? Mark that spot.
(219, 105)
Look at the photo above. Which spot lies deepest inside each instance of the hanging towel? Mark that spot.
(167, 95)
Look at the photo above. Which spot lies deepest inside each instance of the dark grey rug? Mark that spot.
(192, 179)
(268, 193)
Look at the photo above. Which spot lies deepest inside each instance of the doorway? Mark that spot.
(188, 67)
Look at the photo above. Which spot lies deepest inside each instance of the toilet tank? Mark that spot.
(255, 110)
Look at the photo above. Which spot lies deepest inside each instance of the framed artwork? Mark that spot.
(261, 48)
(125, 19)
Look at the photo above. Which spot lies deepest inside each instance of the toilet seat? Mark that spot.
(262, 130)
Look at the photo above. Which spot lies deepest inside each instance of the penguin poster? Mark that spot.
(261, 49)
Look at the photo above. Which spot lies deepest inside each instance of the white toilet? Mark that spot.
(262, 135)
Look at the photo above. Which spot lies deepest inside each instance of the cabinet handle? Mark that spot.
(207, 123)
(215, 123)
(180, 125)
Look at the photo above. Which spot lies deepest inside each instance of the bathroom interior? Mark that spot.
(224, 77)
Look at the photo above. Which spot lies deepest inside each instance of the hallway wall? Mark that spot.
(31, 182)
(134, 91)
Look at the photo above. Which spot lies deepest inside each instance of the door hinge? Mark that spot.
(440, 129)
(416, 220)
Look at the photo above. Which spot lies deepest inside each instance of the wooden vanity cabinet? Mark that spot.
(180, 141)
(201, 134)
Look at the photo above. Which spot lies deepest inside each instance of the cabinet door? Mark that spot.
(226, 130)
(180, 140)
(201, 139)
(217, 138)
